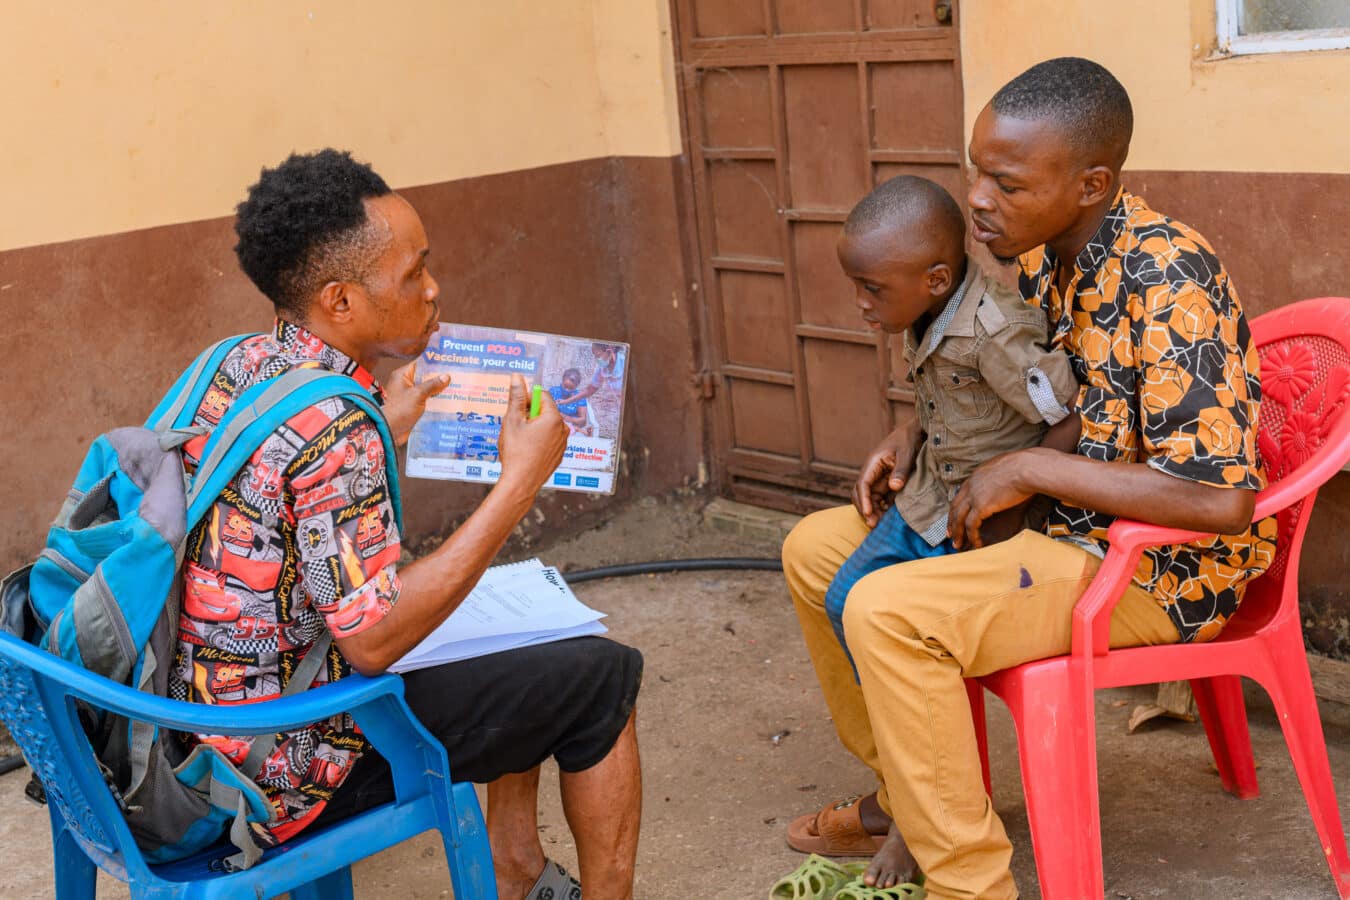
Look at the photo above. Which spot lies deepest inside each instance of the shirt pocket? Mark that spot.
(969, 404)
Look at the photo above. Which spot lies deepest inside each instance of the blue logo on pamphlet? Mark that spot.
(474, 471)
(587, 481)
(563, 478)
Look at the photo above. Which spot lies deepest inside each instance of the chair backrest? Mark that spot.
(1305, 422)
(44, 722)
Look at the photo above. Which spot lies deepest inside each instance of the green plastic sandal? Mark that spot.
(856, 890)
(816, 879)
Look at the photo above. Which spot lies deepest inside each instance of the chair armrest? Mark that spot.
(1129, 538)
(266, 717)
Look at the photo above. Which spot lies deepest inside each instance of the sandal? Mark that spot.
(856, 890)
(836, 830)
(816, 879)
(554, 884)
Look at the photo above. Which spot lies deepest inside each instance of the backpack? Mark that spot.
(104, 594)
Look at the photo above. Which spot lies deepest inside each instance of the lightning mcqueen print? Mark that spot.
(303, 539)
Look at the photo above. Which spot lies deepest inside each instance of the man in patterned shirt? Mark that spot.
(303, 546)
(1169, 399)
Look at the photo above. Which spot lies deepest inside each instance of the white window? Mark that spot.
(1282, 26)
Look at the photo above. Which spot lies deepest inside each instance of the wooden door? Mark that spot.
(793, 109)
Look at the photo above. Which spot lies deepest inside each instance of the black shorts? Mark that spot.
(510, 711)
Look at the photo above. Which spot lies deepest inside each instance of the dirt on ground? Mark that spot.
(736, 741)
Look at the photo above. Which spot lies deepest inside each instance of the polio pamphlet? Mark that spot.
(457, 436)
(511, 606)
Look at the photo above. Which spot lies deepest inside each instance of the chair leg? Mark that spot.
(76, 874)
(1296, 705)
(1057, 743)
(1224, 713)
(975, 693)
(336, 885)
(471, 873)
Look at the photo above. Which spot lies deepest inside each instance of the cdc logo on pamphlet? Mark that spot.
(473, 471)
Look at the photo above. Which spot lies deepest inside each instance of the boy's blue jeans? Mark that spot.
(890, 543)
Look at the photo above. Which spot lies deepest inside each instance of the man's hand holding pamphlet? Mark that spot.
(456, 438)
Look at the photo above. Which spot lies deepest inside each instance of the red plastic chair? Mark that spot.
(1304, 440)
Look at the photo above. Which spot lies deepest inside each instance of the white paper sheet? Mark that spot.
(511, 606)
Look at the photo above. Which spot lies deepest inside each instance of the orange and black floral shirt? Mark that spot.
(1169, 377)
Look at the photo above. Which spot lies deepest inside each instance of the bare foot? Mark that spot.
(893, 864)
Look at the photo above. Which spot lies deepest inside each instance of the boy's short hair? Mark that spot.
(571, 373)
(1080, 95)
(304, 224)
(905, 200)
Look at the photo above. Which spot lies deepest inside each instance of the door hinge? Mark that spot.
(707, 383)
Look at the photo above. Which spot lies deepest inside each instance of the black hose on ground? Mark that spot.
(655, 567)
(658, 567)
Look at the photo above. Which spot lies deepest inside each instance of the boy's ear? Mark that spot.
(939, 278)
(1098, 181)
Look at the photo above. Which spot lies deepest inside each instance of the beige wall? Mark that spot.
(1269, 113)
(149, 112)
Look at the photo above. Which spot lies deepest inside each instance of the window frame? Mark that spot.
(1231, 42)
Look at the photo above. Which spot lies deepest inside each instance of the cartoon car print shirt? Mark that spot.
(303, 539)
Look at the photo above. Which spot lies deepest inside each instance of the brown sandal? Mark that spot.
(836, 830)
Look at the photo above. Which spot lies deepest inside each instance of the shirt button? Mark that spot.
(931, 405)
(1035, 379)
(937, 441)
(919, 370)
(956, 379)
(947, 467)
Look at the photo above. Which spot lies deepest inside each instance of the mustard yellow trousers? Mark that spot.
(916, 631)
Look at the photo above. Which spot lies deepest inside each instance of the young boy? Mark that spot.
(984, 381)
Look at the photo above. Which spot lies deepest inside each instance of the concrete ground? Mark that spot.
(736, 741)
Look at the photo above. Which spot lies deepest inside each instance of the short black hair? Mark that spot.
(304, 224)
(907, 200)
(573, 373)
(1082, 96)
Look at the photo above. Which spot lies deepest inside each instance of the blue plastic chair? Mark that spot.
(37, 702)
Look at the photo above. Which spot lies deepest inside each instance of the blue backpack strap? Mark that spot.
(187, 392)
(264, 408)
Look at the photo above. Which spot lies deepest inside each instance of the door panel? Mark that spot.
(848, 407)
(745, 208)
(813, 17)
(720, 18)
(826, 159)
(794, 109)
(826, 296)
(755, 318)
(765, 417)
(736, 110)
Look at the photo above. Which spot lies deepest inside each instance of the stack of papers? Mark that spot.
(511, 606)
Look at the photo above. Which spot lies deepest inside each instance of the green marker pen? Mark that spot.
(536, 400)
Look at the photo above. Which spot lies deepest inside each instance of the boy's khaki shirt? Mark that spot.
(989, 386)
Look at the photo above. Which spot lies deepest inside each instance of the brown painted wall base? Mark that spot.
(95, 330)
(1282, 236)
